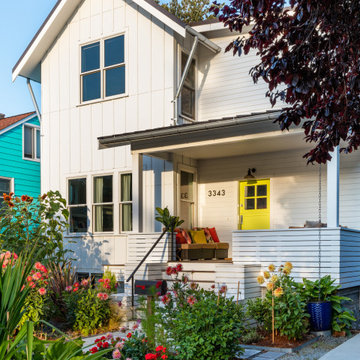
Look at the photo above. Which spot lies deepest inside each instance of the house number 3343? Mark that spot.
(213, 193)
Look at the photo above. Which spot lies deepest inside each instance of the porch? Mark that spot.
(196, 171)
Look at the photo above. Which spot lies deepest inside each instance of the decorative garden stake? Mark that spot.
(273, 317)
(238, 292)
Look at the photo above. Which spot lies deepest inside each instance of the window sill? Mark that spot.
(33, 160)
(97, 101)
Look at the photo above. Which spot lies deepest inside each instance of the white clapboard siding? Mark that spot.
(92, 253)
(340, 252)
(139, 244)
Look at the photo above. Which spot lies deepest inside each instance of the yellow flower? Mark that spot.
(271, 267)
(274, 278)
(278, 292)
(266, 275)
(260, 279)
(286, 271)
(270, 286)
(288, 265)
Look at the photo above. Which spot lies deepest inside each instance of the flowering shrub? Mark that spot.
(108, 282)
(200, 324)
(291, 319)
(132, 346)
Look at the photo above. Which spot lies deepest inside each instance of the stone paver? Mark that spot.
(248, 353)
(269, 355)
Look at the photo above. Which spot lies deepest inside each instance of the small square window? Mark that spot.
(91, 86)
(114, 51)
(115, 81)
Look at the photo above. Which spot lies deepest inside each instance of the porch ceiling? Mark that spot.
(245, 145)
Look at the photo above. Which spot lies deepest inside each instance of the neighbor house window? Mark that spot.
(78, 206)
(126, 202)
(31, 142)
(5, 188)
(103, 204)
(103, 69)
(188, 90)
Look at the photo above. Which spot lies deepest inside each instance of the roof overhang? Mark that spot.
(18, 123)
(161, 139)
(28, 65)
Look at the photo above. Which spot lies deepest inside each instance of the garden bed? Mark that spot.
(282, 344)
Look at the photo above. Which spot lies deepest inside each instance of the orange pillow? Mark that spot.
(214, 235)
(180, 239)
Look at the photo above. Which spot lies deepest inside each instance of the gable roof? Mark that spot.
(10, 122)
(28, 64)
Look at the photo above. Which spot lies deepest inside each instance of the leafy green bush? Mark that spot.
(27, 224)
(251, 336)
(200, 324)
(325, 290)
(258, 310)
(92, 311)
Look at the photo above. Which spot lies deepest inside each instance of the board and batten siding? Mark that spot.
(25, 172)
(340, 250)
(225, 87)
(71, 129)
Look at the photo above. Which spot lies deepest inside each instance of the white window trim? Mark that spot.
(125, 202)
(195, 57)
(102, 69)
(93, 204)
(73, 206)
(34, 144)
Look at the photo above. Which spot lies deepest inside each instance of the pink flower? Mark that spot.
(135, 326)
(84, 282)
(42, 291)
(116, 354)
(119, 345)
(102, 296)
(68, 288)
(37, 276)
(223, 289)
(38, 266)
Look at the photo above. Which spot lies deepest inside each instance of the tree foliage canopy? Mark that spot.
(310, 59)
(189, 10)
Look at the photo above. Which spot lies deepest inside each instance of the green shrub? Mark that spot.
(135, 347)
(92, 311)
(258, 310)
(201, 324)
(251, 336)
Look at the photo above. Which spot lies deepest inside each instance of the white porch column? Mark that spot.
(333, 168)
(137, 192)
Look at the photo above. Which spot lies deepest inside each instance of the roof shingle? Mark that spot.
(6, 122)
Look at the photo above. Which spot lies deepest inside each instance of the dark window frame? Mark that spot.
(35, 154)
(77, 205)
(191, 88)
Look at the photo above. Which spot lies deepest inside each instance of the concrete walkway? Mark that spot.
(347, 351)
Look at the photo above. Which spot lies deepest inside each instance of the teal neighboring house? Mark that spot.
(20, 155)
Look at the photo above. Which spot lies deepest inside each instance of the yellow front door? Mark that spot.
(254, 204)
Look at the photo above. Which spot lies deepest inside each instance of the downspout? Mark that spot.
(184, 75)
(33, 99)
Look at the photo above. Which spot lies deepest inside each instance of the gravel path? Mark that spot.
(317, 350)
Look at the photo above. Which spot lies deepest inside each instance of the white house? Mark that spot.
(140, 110)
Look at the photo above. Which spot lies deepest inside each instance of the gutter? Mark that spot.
(204, 40)
(34, 99)
(126, 139)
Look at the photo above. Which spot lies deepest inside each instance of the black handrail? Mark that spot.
(139, 265)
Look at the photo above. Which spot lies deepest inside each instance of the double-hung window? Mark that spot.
(103, 204)
(126, 202)
(188, 90)
(78, 206)
(5, 188)
(31, 146)
(103, 69)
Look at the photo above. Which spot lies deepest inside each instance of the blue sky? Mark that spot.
(20, 19)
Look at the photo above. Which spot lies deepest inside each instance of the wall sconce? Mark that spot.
(250, 173)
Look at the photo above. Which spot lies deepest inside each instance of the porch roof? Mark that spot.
(212, 138)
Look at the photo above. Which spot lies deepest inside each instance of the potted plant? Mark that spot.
(324, 306)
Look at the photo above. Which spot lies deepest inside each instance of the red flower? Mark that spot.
(174, 271)
(150, 357)
(158, 284)
(23, 197)
(99, 344)
(191, 300)
(164, 357)
(179, 267)
(169, 270)
(105, 345)
(160, 348)
(76, 284)
(42, 291)
(75, 289)
(129, 335)
(94, 350)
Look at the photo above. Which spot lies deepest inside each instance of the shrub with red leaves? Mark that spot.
(310, 59)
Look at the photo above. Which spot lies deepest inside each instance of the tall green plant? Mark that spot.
(26, 223)
(170, 222)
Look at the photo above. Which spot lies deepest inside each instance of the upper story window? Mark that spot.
(103, 69)
(31, 142)
(188, 90)
(78, 206)
(103, 204)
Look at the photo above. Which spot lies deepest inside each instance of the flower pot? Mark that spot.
(320, 315)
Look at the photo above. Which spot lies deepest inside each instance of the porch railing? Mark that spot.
(131, 277)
